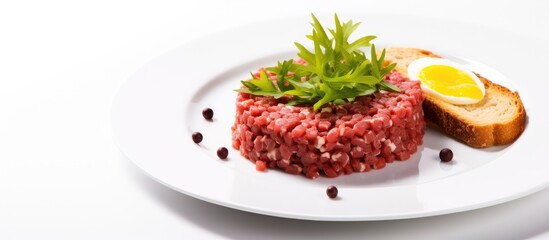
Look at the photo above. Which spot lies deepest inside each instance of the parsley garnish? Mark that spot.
(336, 71)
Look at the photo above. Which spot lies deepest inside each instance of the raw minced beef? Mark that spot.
(339, 139)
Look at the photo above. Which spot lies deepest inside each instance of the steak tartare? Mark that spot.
(338, 139)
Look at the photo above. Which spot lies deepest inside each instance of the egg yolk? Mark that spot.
(450, 81)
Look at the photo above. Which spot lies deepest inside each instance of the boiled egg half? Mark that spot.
(447, 80)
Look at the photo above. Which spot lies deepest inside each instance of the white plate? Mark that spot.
(156, 111)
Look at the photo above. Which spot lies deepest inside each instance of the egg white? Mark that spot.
(417, 65)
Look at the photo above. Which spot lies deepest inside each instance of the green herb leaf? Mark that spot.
(336, 72)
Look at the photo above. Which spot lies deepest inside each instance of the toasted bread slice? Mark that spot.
(498, 119)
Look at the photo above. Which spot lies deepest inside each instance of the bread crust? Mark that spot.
(473, 134)
(460, 127)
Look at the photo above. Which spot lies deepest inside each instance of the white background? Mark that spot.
(62, 177)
